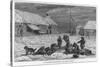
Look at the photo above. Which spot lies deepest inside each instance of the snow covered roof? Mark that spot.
(90, 25)
(31, 18)
(49, 20)
(18, 18)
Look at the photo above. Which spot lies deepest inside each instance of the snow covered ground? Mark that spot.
(37, 41)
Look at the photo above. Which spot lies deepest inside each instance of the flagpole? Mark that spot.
(70, 19)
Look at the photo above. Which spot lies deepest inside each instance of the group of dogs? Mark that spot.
(42, 50)
(69, 48)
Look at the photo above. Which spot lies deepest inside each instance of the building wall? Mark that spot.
(89, 32)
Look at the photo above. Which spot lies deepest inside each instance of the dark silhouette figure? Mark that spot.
(76, 48)
(49, 31)
(59, 41)
(82, 43)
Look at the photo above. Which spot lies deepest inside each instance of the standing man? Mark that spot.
(82, 43)
(49, 29)
(21, 32)
(66, 39)
(76, 48)
(59, 41)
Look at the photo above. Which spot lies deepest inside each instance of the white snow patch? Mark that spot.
(23, 58)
